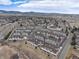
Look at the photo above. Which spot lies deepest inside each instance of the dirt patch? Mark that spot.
(6, 52)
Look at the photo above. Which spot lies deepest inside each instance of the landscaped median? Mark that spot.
(7, 36)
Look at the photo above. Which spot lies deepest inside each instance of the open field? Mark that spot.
(25, 51)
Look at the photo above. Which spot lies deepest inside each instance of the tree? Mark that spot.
(56, 23)
(14, 40)
(21, 25)
(64, 21)
(73, 43)
(46, 23)
(44, 39)
(15, 56)
(66, 31)
(35, 47)
(7, 36)
(25, 42)
(74, 29)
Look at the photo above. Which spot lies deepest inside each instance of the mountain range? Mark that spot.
(35, 13)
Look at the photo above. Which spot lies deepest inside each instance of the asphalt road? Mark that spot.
(4, 30)
(66, 46)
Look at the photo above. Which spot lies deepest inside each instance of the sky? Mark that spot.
(44, 6)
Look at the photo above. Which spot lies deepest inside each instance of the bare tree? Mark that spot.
(15, 56)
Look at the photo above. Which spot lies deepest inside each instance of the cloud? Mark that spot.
(47, 6)
(47, 3)
(9, 2)
(65, 6)
(5, 2)
(19, 2)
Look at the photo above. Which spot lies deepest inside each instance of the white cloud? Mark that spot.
(5, 2)
(58, 6)
(47, 3)
(50, 5)
(19, 2)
